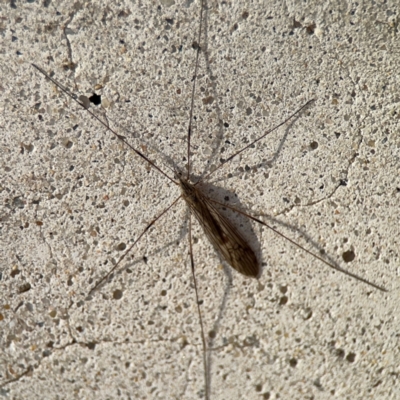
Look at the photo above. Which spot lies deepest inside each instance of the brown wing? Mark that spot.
(221, 233)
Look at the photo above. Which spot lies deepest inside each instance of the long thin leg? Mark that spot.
(335, 267)
(134, 243)
(119, 137)
(203, 339)
(257, 140)
(194, 88)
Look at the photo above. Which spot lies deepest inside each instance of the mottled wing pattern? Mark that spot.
(221, 233)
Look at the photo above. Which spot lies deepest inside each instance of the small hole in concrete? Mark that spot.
(348, 256)
(212, 334)
(283, 300)
(351, 357)
(283, 289)
(121, 246)
(340, 353)
(314, 145)
(91, 345)
(95, 99)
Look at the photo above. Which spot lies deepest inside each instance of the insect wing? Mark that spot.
(223, 235)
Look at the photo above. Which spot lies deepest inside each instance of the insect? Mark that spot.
(210, 205)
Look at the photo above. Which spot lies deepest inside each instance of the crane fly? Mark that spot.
(225, 237)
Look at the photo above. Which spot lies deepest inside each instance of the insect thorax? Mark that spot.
(189, 192)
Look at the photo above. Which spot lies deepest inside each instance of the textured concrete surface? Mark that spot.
(73, 197)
